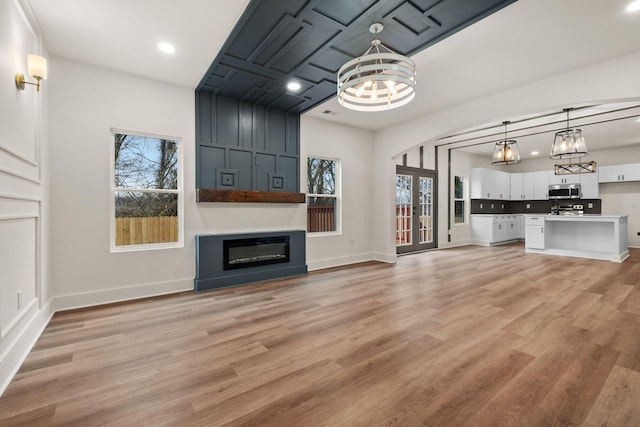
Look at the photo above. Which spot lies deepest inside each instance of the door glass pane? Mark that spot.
(426, 214)
(404, 184)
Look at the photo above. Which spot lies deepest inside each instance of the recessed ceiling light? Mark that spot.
(166, 47)
(293, 86)
(634, 6)
(535, 153)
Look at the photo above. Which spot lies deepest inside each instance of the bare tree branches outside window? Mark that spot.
(144, 163)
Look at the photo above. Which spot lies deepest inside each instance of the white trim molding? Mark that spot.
(108, 296)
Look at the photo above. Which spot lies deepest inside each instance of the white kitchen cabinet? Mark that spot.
(498, 232)
(523, 186)
(517, 186)
(529, 184)
(490, 184)
(534, 232)
(477, 186)
(541, 185)
(563, 179)
(502, 185)
(589, 185)
(619, 173)
(492, 229)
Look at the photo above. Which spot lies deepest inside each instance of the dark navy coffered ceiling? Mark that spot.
(276, 41)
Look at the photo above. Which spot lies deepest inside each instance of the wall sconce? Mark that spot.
(37, 67)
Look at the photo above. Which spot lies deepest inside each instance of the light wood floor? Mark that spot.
(471, 336)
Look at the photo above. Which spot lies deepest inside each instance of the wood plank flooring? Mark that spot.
(470, 336)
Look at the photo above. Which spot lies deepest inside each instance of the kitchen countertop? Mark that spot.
(589, 217)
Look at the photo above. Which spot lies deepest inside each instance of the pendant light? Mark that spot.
(568, 143)
(506, 152)
(378, 80)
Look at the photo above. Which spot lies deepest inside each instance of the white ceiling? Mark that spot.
(524, 42)
(122, 35)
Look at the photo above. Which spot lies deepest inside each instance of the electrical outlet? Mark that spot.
(491, 205)
(528, 205)
(480, 205)
(589, 205)
(19, 299)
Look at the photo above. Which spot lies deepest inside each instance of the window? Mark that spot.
(322, 195)
(459, 210)
(146, 194)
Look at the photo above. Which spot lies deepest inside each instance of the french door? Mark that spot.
(415, 209)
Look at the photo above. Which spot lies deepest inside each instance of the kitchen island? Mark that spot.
(586, 236)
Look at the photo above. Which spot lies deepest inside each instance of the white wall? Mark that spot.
(611, 80)
(24, 197)
(354, 149)
(86, 102)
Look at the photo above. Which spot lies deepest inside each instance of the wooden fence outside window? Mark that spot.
(146, 230)
(321, 219)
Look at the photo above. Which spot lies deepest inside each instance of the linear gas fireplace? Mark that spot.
(224, 260)
(243, 253)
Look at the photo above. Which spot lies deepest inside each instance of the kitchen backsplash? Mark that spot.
(484, 206)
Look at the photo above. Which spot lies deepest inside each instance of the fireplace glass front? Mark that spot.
(252, 252)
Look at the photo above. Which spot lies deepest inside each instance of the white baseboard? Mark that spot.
(20, 346)
(480, 242)
(107, 296)
(339, 261)
(389, 258)
(456, 244)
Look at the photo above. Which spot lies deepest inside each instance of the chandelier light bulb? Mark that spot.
(374, 91)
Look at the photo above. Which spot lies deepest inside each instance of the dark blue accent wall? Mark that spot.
(244, 146)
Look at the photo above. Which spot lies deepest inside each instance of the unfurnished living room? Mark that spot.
(319, 212)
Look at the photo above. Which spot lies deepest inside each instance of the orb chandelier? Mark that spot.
(506, 152)
(379, 80)
(568, 143)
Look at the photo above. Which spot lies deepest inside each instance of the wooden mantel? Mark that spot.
(248, 196)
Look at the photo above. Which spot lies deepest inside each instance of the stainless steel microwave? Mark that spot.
(564, 191)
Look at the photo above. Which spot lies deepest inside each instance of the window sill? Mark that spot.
(324, 234)
(148, 247)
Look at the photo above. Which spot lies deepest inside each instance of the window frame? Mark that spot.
(337, 196)
(113, 190)
(463, 199)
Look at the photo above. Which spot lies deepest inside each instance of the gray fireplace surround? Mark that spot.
(224, 260)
